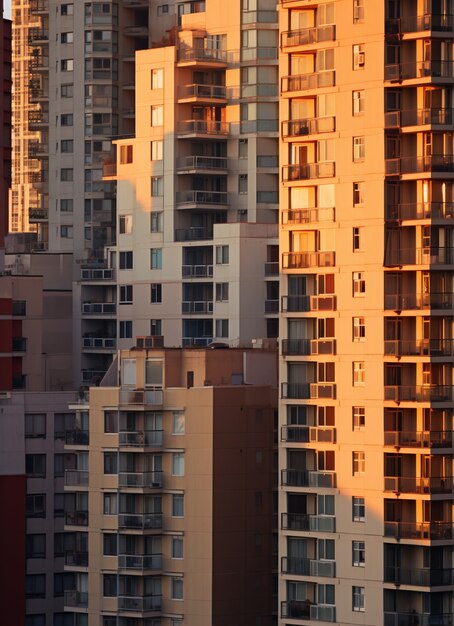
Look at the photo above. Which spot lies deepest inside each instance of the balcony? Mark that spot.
(429, 255)
(419, 347)
(420, 439)
(99, 308)
(37, 215)
(140, 396)
(194, 128)
(203, 56)
(436, 163)
(308, 260)
(38, 37)
(294, 347)
(308, 171)
(140, 562)
(308, 216)
(141, 438)
(419, 117)
(302, 304)
(306, 391)
(418, 577)
(308, 523)
(37, 149)
(422, 619)
(202, 93)
(193, 234)
(304, 609)
(195, 198)
(76, 478)
(38, 7)
(420, 211)
(419, 530)
(39, 64)
(142, 604)
(95, 274)
(307, 478)
(310, 126)
(76, 558)
(308, 567)
(419, 393)
(418, 484)
(413, 301)
(77, 437)
(99, 343)
(76, 518)
(193, 164)
(140, 480)
(307, 36)
(76, 599)
(305, 82)
(138, 521)
(398, 72)
(202, 307)
(306, 434)
(418, 24)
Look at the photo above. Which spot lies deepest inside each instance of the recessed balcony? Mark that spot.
(205, 164)
(76, 558)
(76, 518)
(308, 36)
(140, 480)
(302, 260)
(136, 31)
(19, 344)
(99, 344)
(38, 150)
(308, 171)
(271, 307)
(305, 82)
(420, 211)
(419, 577)
(197, 271)
(307, 478)
(140, 562)
(306, 434)
(419, 347)
(138, 521)
(202, 93)
(419, 531)
(419, 24)
(424, 619)
(308, 523)
(416, 302)
(295, 129)
(272, 268)
(434, 164)
(193, 234)
(419, 439)
(419, 117)
(302, 304)
(308, 567)
(307, 391)
(140, 438)
(139, 604)
(419, 393)
(77, 437)
(202, 128)
(418, 484)
(294, 347)
(429, 255)
(397, 72)
(76, 599)
(76, 478)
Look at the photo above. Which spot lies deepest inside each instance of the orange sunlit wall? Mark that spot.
(5, 123)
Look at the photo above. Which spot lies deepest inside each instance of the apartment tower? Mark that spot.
(366, 452)
(5, 124)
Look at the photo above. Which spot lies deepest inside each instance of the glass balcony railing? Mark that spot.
(140, 521)
(308, 171)
(307, 478)
(307, 36)
(305, 82)
(441, 163)
(419, 347)
(139, 561)
(308, 523)
(420, 619)
(308, 567)
(419, 117)
(418, 484)
(420, 439)
(419, 393)
(419, 577)
(415, 301)
(294, 347)
(141, 480)
(300, 260)
(296, 304)
(419, 530)
(140, 604)
(141, 438)
(420, 211)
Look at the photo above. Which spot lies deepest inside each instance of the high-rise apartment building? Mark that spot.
(5, 125)
(366, 454)
(172, 522)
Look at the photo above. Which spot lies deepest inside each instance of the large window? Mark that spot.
(35, 425)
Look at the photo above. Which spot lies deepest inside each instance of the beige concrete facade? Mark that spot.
(367, 312)
(176, 497)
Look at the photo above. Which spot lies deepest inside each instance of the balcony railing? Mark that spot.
(414, 301)
(101, 343)
(39, 6)
(430, 255)
(308, 346)
(308, 126)
(419, 117)
(212, 55)
(271, 307)
(440, 163)
(418, 484)
(419, 347)
(197, 306)
(139, 561)
(76, 478)
(95, 274)
(147, 521)
(307, 478)
(203, 127)
(419, 393)
(305, 434)
(76, 558)
(420, 439)
(141, 438)
(308, 216)
(193, 234)
(308, 523)
(308, 36)
(418, 24)
(76, 599)
(422, 619)
(421, 211)
(305, 391)
(141, 604)
(308, 171)
(197, 271)
(299, 260)
(76, 518)
(212, 92)
(296, 304)
(303, 82)
(77, 437)
(141, 396)
(99, 308)
(419, 577)
(200, 342)
(195, 196)
(140, 480)
(308, 567)
(419, 69)
(201, 163)
(419, 530)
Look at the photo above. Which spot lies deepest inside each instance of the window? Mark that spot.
(155, 327)
(358, 463)
(157, 150)
(325, 505)
(66, 119)
(157, 186)
(126, 329)
(156, 258)
(222, 255)
(359, 284)
(67, 9)
(109, 585)
(356, 236)
(358, 193)
(242, 149)
(359, 56)
(157, 79)
(178, 424)
(358, 553)
(326, 549)
(177, 505)
(126, 294)
(67, 146)
(63, 581)
(66, 174)
(222, 328)
(67, 37)
(67, 65)
(358, 509)
(36, 505)
(59, 544)
(242, 183)
(109, 542)
(157, 115)
(66, 232)
(359, 373)
(67, 90)
(177, 464)
(35, 465)
(35, 546)
(156, 293)
(359, 329)
(111, 423)
(35, 586)
(358, 11)
(177, 589)
(59, 505)
(222, 292)
(35, 619)
(358, 418)
(110, 504)
(156, 221)
(358, 600)
(358, 102)
(359, 149)
(35, 425)
(126, 260)
(162, 9)
(125, 224)
(64, 422)
(177, 547)
(126, 154)
(59, 465)
(66, 205)
(110, 463)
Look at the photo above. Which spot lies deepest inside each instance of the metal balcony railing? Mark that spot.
(308, 346)
(419, 23)
(308, 171)
(76, 599)
(419, 439)
(99, 308)
(414, 301)
(419, 577)
(418, 484)
(76, 478)
(139, 521)
(295, 304)
(306, 36)
(304, 82)
(308, 567)
(76, 558)
(212, 92)
(201, 163)
(95, 274)
(139, 561)
(419, 347)
(305, 434)
(308, 216)
(77, 437)
(308, 126)
(429, 255)
(308, 523)
(307, 478)
(419, 117)
(419, 393)
(102, 343)
(140, 604)
(300, 260)
(419, 69)
(76, 518)
(202, 127)
(197, 271)
(194, 196)
(420, 211)
(197, 306)
(141, 438)
(211, 55)
(419, 530)
(439, 163)
(421, 619)
(141, 480)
